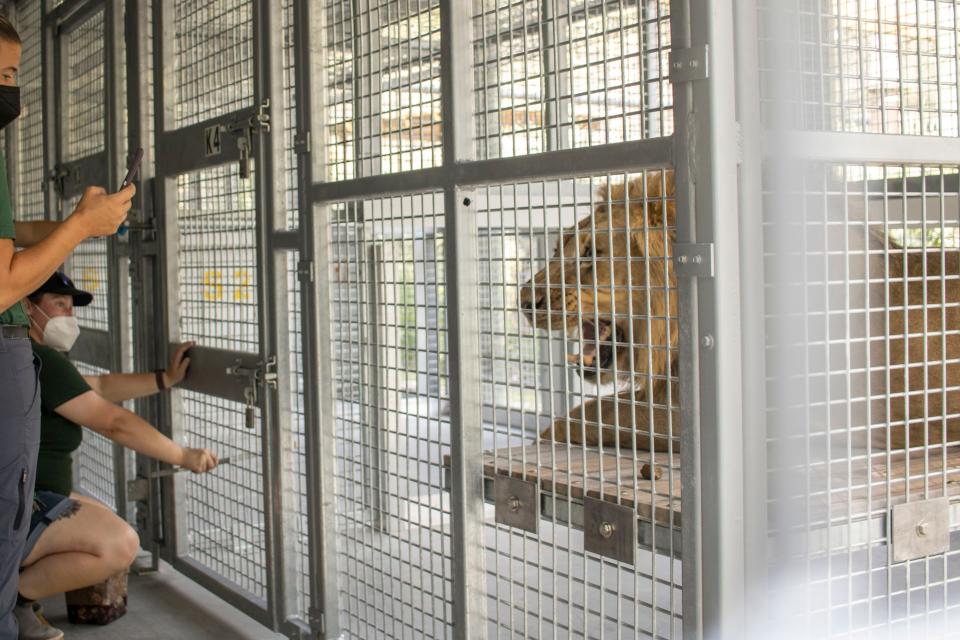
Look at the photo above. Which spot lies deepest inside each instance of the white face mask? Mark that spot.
(61, 332)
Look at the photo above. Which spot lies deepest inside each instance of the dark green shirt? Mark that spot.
(60, 382)
(15, 314)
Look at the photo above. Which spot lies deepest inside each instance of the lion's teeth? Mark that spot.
(607, 330)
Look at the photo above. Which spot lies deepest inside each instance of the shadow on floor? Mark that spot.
(165, 605)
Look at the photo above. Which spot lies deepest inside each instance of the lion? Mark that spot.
(610, 285)
(914, 318)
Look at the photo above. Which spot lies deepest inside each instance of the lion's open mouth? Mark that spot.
(597, 346)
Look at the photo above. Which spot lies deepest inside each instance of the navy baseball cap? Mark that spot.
(60, 283)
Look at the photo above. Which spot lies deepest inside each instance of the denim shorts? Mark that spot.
(48, 507)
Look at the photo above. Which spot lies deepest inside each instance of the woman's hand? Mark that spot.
(199, 460)
(179, 363)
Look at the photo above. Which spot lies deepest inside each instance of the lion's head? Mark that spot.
(610, 283)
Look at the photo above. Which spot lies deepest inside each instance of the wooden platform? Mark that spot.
(846, 499)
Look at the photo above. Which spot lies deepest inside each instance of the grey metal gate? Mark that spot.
(456, 146)
(222, 93)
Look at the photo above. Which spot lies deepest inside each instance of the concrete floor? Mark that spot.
(165, 605)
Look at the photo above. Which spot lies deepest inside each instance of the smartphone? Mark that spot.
(133, 169)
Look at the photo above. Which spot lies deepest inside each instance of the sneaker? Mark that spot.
(33, 626)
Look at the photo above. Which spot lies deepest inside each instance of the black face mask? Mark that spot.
(9, 104)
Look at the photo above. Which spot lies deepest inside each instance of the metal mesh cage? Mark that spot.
(290, 131)
(88, 267)
(391, 433)
(382, 85)
(884, 66)
(94, 460)
(28, 204)
(214, 58)
(85, 100)
(875, 297)
(216, 258)
(224, 508)
(578, 330)
(555, 75)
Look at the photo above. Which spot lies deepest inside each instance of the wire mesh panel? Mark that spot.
(883, 66)
(298, 439)
(88, 267)
(84, 101)
(579, 341)
(877, 249)
(213, 46)
(382, 69)
(290, 130)
(391, 431)
(555, 75)
(94, 459)
(216, 259)
(224, 508)
(862, 269)
(29, 190)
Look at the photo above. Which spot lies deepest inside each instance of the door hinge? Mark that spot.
(306, 271)
(301, 142)
(692, 260)
(318, 621)
(690, 64)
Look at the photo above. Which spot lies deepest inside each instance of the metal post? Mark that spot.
(173, 510)
(466, 430)
(753, 306)
(318, 399)
(114, 103)
(142, 262)
(274, 406)
(706, 172)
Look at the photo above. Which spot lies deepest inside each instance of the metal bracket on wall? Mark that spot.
(517, 503)
(693, 260)
(920, 529)
(690, 64)
(610, 530)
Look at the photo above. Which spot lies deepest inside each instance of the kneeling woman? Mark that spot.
(68, 400)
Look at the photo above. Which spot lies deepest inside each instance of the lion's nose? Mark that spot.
(532, 298)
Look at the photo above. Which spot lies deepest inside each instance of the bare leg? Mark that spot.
(77, 551)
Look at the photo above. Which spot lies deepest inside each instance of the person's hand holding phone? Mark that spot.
(100, 213)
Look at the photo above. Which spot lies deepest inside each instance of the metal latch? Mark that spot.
(58, 176)
(692, 260)
(264, 373)
(245, 130)
(689, 64)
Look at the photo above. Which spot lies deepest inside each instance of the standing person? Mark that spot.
(47, 245)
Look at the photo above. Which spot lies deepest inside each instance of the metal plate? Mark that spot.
(920, 529)
(609, 530)
(517, 503)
